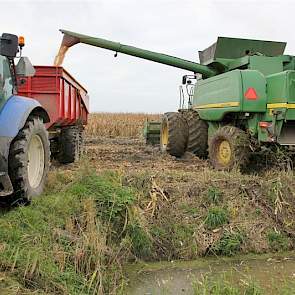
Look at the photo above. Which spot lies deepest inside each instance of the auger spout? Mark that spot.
(72, 38)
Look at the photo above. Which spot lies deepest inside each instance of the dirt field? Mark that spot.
(135, 155)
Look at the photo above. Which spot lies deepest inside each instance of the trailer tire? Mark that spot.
(174, 134)
(29, 158)
(81, 142)
(70, 142)
(197, 134)
(229, 148)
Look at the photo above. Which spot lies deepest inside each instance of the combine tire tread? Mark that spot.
(239, 144)
(197, 134)
(177, 134)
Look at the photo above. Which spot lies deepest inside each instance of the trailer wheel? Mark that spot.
(81, 142)
(197, 134)
(29, 158)
(69, 145)
(174, 134)
(229, 148)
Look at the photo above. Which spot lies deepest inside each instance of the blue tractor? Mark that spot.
(24, 143)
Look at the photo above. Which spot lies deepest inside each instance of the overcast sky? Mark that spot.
(176, 27)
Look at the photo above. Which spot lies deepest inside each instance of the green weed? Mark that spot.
(214, 195)
(277, 241)
(229, 244)
(216, 217)
(140, 240)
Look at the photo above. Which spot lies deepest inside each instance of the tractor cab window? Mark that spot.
(6, 83)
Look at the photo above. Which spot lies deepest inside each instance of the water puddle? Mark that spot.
(269, 272)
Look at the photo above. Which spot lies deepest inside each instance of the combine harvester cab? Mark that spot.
(245, 92)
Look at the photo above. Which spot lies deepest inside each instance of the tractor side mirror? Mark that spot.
(24, 67)
(8, 45)
(184, 79)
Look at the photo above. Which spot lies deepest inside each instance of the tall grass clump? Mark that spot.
(229, 244)
(277, 241)
(216, 217)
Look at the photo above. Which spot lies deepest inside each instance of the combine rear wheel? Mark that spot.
(174, 134)
(229, 148)
(29, 158)
(197, 134)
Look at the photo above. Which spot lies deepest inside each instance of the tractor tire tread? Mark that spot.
(18, 158)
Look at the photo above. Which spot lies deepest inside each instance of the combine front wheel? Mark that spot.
(229, 148)
(174, 134)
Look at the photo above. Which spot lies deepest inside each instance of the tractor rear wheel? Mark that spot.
(174, 134)
(197, 134)
(229, 148)
(29, 158)
(70, 144)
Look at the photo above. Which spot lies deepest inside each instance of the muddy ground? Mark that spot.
(134, 154)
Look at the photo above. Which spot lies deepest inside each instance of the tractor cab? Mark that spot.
(10, 46)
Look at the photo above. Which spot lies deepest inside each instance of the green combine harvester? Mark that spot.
(243, 98)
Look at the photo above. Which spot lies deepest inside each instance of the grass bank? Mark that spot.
(70, 241)
(76, 237)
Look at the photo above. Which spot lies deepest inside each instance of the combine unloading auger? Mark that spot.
(72, 38)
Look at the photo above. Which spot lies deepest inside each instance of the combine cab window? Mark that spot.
(6, 83)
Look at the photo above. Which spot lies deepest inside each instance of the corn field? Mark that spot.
(118, 124)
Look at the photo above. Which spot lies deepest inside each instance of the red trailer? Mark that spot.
(67, 104)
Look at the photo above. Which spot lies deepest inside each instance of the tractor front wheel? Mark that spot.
(29, 158)
(229, 148)
(174, 134)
